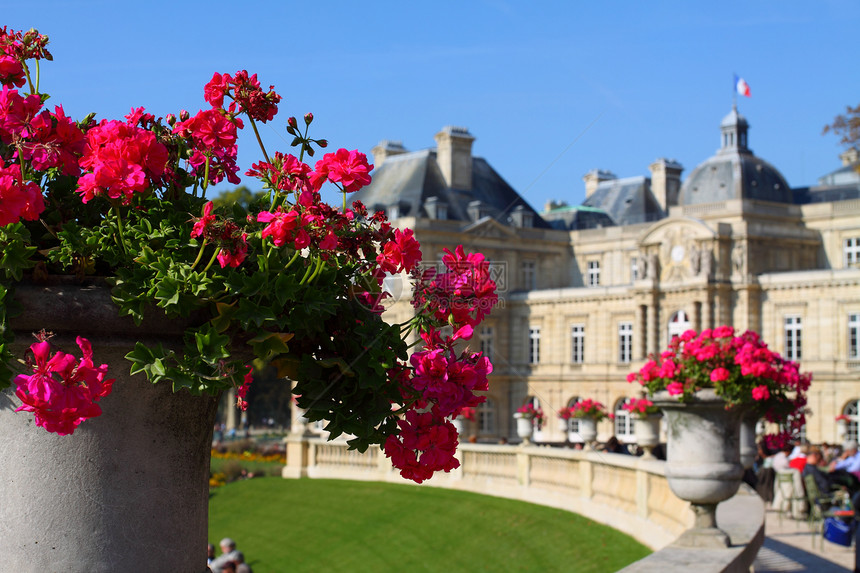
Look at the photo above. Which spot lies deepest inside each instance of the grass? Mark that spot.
(334, 525)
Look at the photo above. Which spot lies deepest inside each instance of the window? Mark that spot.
(593, 273)
(486, 413)
(792, 337)
(854, 335)
(487, 336)
(679, 324)
(577, 343)
(534, 345)
(625, 342)
(573, 423)
(623, 423)
(851, 251)
(852, 410)
(528, 275)
(634, 269)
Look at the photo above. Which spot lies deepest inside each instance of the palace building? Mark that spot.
(588, 291)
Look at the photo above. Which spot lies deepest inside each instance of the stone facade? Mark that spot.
(588, 292)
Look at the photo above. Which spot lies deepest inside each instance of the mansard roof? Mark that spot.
(626, 201)
(408, 180)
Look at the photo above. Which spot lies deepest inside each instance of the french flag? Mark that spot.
(742, 86)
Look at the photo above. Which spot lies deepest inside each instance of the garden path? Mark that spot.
(788, 547)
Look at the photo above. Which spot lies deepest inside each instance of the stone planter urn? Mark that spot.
(647, 431)
(129, 490)
(525, 427)
(564, 428)
(702, 460)
(588, 430)
(748, 448)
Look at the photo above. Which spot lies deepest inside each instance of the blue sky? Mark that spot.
(550, 90)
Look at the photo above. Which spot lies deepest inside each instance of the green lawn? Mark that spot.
(333, 525)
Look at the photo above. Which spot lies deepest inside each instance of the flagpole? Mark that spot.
(735, 92)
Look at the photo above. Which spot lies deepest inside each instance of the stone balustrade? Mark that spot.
(624, 492)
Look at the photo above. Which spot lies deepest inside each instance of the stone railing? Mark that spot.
(624, 492)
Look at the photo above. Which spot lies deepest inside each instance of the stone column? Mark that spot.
(652, 339)
(640, 333)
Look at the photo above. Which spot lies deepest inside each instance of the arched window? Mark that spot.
(486, 417)
(852, 410)
(623, 423)
(538, 428)
(573, 423)
(679, 324)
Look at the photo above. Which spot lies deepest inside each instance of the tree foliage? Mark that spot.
(846, 126)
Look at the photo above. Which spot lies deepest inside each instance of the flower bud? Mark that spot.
(322, 143)
(171, 119)
(184, 115)
(309, 117)
(292, 122)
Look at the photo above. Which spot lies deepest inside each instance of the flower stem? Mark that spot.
(320, 264)
(206, 176)
(307, 274)
(260, 141)
(199, 254)
(121, 238)
(212, 260)
(293, 259)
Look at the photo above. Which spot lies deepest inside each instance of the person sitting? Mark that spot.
(779, 461)
(828, 481)
(849, 461)
(229, 553)
(613, 446)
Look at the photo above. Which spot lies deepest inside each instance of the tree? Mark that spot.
(241, 195)
(847, 126)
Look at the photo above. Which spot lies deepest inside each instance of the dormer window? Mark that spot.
(436, 209)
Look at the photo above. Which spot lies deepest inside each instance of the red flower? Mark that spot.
(349, 168)
(62, 392)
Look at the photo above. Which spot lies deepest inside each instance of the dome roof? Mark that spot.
(734, 172)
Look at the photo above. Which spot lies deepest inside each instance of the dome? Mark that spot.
(734, 172)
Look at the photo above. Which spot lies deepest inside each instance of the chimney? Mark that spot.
(454, 156)
(850, 156)
(593, 178)
(386, 149)
(666, 182)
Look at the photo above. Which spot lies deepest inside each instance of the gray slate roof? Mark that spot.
(409, 179)
(734, 176)
(626, 201)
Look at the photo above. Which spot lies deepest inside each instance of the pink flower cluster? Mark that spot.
(46, 139)
(212, 134)
(466, 292)
(588, 408)
(121, 160)
(19, 199)
(242, 391)
(641, 407)
(529, 410)
(442, 381)
(15, 49)
(62, 391)
(246, 94)
(231, 240)
(742, 369)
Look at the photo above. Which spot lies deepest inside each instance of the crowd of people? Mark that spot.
(832, 467)
(231, 559)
